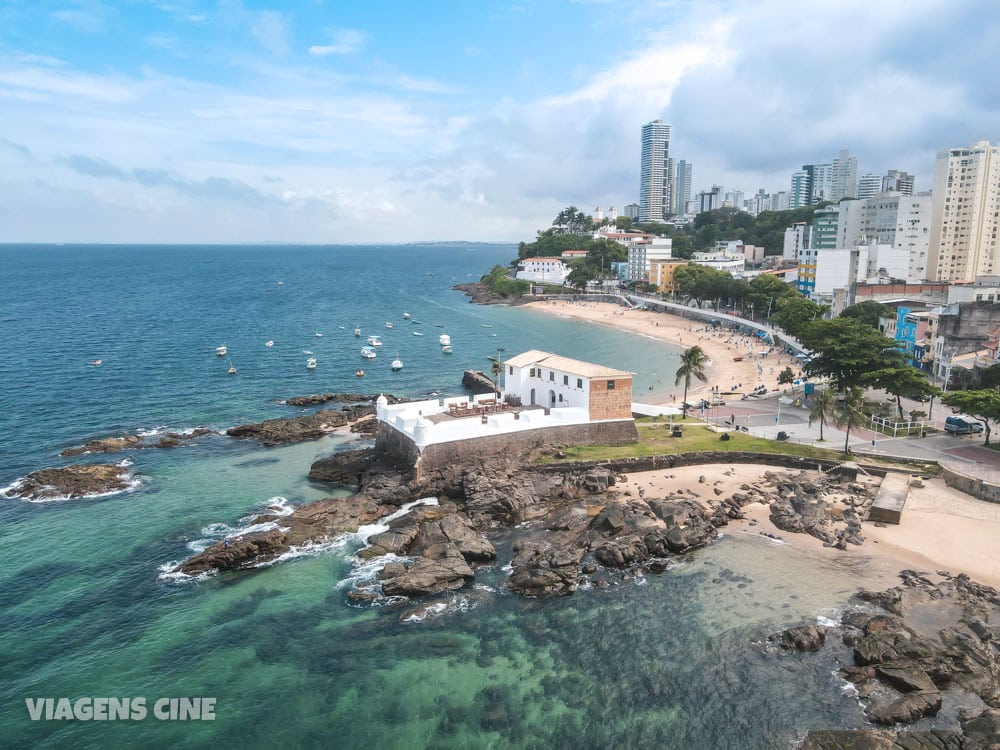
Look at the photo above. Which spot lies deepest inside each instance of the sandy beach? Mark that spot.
(759, 363)
(941, 528)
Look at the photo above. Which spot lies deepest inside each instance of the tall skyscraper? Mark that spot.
(964, 222)
(901, 182)
(844, 177)
(654, 172)
(869, 185)
(681, 193)
(798, 196)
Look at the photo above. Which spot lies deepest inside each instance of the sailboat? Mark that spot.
(396, 364)
(232, 370)
(311, 363)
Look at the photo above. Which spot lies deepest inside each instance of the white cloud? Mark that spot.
(270, 29)
(345, 42)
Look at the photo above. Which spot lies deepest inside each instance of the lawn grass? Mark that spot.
(655, 439)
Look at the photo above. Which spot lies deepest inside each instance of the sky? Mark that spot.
(388, 121)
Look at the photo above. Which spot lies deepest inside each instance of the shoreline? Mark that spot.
(941, 528)
(721, 346)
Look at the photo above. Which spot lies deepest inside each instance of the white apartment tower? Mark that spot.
(654, 172)
(844, 180)
(966, 217)
(900, 222)
(682, 187)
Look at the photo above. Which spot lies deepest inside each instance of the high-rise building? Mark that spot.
(901, 182)
(798, 196)
(820, 181)
(709, 200)
(844, 177)
(869, 185)
(780, 201)
(824, 228)
(681, 193)
(654, 172)
(632, 211)
(966, 218)
(900, 222)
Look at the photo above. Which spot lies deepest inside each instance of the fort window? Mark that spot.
(611, 385)
(579, 382)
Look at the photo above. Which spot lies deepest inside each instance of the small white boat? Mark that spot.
(439, 325)
(306, 351)
(221, 351)
(341, 328)
(268, 344)
(319, 335)
(357, 331)
(374, 341)
(96, 362)
(417, 333)
(368, 353)
(232, 370)
(487, 325)
(311, 363)
(396, 364)
(446, 348)
(444, 339)
(388, 324)
(360, 373)
(406, 316)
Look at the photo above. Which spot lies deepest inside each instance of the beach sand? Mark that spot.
(721, 346)
(941, 528)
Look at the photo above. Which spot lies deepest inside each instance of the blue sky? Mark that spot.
(378, 121)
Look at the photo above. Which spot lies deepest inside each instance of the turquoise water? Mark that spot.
(674, 660)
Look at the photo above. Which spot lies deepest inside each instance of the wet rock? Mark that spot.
(545, 565)
(803, 638)
(345, 468)
(75, 481)
(456, 530)
(292, 429)
(441, 568)
(904, 709)
(105, 445)
(237, 553)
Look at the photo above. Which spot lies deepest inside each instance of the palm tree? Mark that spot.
(848, 412)
(823, 408)
(693, 364)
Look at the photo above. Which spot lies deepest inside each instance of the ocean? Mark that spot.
(676, 660)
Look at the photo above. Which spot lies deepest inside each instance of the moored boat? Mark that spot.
(368, 353)
(311, 363)
(396, 364)
(221, 351)
(444, 339)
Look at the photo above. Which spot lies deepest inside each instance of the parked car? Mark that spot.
(962, 426)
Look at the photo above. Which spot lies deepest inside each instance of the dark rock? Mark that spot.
(345, 468)
(441, 568)
(904, 709)
(237, 553)
(293, 429)
(392, 570)
(336, 398)
(72, 481)
(105, 445)
(802, 638)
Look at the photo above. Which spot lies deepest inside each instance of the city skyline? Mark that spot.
(247, 122)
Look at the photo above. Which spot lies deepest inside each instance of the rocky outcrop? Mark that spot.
(70, 482)
(332, 398)
(441, 567)
(802, 638)
(293, 429)
(346, 468)
(480, 294)
(935, 636)
(136, 442)
(238, 553)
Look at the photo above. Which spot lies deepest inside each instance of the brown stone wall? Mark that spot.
(605, 404)
(970, 485)
(518, 444)
(396, 444)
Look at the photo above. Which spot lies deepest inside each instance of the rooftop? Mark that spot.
(565, 364)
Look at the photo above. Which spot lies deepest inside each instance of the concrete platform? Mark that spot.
(888, 505)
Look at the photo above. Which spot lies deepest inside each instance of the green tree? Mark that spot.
(823, 407)
(580, 275)
(990, 377)
(693, 364)
(786, 376)
(767, 290)
(796, 313)
(849, 413)
(868, 312)
(574, 221)
(849, 352)
(904, 381)
(982, 404)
